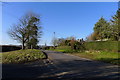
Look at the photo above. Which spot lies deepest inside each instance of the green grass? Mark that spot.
(21, 56)
(104, 56)
(65, 49)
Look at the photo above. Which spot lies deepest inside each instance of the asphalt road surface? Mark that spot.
(61, 66)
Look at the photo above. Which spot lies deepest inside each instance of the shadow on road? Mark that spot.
(61, 69)
(82, 69)
(72, 70)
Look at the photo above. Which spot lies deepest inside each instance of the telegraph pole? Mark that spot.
(54, 35)
(54, 39)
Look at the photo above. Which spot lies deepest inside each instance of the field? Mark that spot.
(21, 56)
(64, 49)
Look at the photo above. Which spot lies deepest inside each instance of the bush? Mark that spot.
(103, 45)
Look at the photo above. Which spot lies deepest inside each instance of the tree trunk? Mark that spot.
(23, 46)
(31, 47)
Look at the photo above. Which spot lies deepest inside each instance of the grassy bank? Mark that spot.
(21, 56)
(104, 56)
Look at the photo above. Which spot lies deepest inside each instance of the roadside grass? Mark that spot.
(64, 49)
(22, 56)
(104, 56)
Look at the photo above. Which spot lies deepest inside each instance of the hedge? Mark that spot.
(103, 45)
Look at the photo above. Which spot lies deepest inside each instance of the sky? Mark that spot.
(60, 0)
(64, 18)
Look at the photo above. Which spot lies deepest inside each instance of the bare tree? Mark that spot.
(54, 42)
(20, 31)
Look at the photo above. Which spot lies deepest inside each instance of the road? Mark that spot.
(62, 66)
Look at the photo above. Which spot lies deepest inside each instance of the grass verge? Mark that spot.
(104, 56)
(22, 56)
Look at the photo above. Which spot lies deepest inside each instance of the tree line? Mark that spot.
(106, 30)
(75, 44)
